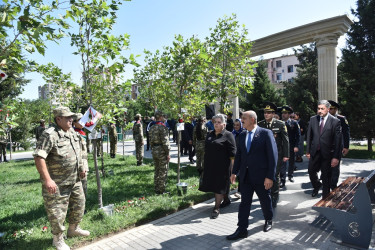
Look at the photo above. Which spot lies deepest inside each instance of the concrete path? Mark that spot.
(296, 225)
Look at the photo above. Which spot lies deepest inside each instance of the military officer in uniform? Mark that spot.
(112, 140)
(59, 162)
(159, 141)
(294, 135)
(79, 129)
(138, 139)
(3, 145)
(345, 130)
(39, 130)
(280, 133)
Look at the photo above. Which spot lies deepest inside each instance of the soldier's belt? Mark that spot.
(157, 145)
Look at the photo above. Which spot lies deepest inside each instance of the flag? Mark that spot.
(90, 119)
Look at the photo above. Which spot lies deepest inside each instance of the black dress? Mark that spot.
(218, 151)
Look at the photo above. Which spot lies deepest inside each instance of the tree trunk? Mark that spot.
(178, 153)
(369, 144)
(99, 185)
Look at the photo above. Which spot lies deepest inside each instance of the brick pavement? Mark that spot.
(296, 225)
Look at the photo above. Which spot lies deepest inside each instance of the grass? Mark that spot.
(130, 189)
(360, 152)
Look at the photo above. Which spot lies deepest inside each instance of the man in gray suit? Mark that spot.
(323, 147)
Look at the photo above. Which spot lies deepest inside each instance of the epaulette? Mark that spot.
(49, 130)
(341, 116)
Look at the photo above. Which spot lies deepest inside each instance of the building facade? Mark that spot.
(282, 69)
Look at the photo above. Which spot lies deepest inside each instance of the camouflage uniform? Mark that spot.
(62, 153)
(199, 144)
(138, 138)
(84, 156)
(112, 133)
(3, 145)
(159, 140)
(39, 130)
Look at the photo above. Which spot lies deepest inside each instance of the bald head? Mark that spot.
(249, 119)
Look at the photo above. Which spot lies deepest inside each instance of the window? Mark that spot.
(290, 68)
(278, 64)
(279, 77)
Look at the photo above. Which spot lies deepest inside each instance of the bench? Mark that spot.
(348, 207)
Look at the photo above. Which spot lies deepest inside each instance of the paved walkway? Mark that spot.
(296, 225)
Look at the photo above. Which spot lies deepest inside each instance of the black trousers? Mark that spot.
(316, 164)
(247, 192)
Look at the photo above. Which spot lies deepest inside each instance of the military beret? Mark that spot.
(62, 111)
(269, 106)
(334, 104)
(286, 109)
(77, 116)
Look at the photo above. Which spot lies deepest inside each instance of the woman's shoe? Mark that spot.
(215, 213)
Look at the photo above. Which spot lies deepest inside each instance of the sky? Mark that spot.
(152, 24)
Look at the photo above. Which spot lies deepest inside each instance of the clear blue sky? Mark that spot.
(152, 24)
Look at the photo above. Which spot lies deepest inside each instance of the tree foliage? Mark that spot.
(263, 91)
(302, 93)
(356, 72)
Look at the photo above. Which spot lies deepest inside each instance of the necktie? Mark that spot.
(248, 141)
(268, 125)
(321, 125)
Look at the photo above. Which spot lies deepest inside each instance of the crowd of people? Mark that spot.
(254, 153)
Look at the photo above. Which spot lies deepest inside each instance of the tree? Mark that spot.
(25, 26)
(102, 62)
(357, 80)
(263, 90)
(302, 93)
(229, 68)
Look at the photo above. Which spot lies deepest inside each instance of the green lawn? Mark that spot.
(130, 189)
(360, 152)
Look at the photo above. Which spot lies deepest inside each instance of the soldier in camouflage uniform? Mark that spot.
(280, 133)
(58, 160)
(199, 138)
(79, 129)
(138, 138)
(39, 130)
(3, 145)
(112, 133)
(159, 141)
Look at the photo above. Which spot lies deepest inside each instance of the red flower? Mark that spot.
(15, 234)
(44, 229)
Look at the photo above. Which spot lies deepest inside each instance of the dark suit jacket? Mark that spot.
(330, 140)
(261, 160)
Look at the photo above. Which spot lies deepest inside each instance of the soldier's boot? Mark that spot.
(59, 243)
(75, 230)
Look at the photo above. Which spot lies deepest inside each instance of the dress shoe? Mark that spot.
(225, 203)
(267, 226)
(238, 234)
(291, 179)
(316, 190)
(282, 184)
(215, 213)
(295, 168)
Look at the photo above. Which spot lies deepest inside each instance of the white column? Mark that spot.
(235, 109)
(327, 66)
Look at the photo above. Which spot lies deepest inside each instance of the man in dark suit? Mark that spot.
(280, 133)
(345, 140)
(323, 150)
(255, 163)
(294, 135)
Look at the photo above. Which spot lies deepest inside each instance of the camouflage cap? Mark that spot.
(62, 111)
(158, 114)
(138, 116)
(42, 121)
(77, 116)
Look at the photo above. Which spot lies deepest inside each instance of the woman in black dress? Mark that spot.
(220, 149)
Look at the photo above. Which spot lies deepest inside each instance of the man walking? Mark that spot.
(58, 160)
(280, 133)
(256, 160)
(294, 134)
(345, 140)
(159, 141)
(323, 150)
(3, 145)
